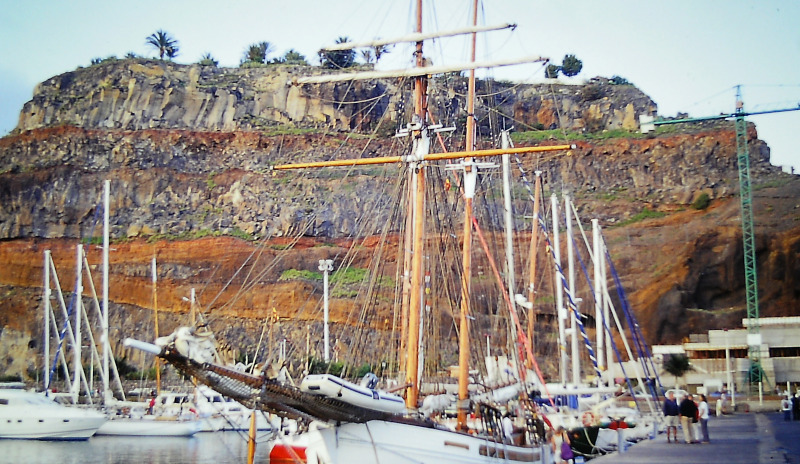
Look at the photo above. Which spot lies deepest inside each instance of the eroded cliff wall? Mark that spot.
(137, 94)
(189, 152)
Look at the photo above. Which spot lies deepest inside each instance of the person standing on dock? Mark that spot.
(702, 408)
(671, 412)
(786, 407)
(688, 410)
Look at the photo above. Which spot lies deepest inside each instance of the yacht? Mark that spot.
(34, 416)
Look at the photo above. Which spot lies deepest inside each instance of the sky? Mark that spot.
(687, 55)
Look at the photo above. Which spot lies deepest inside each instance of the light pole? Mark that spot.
(325, 265)
(191, 301)
(728, 375)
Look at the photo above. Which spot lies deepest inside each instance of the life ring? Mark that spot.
(588, 419)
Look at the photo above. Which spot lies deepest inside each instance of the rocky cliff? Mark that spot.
(137, 94)
(189, 151)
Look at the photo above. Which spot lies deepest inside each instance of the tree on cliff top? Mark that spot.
(379, 51)
(571, 66)
(165, 44)
(551, 72)
(257, 53)
(292, 56)
(337, 59)
(208, 60)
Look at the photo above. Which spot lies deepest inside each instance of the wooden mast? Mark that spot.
(416, 161)
(420, 110)
(532, 266)
(470, 175)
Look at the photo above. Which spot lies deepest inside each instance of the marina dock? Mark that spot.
(741, 438)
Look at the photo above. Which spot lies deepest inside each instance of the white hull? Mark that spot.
(391, 442)
(150, 427)
(226, 422)
(219, 413)
(26, 415)
(50, 428)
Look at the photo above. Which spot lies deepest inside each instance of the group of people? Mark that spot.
(693, 418)
(790, 405)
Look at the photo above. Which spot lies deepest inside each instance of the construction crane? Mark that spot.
(756, 373)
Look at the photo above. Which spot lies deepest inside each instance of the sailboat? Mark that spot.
(121, 417)
(345, 426)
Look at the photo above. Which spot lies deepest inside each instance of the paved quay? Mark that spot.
(741, 438)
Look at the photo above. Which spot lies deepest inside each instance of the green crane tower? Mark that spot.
(748, 241)
(756, 373)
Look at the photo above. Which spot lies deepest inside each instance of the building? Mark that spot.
(710, 353)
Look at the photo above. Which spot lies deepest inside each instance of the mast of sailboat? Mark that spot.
(561, 312)
(106, 350)
(415, 161)
(508, 216)
(470, 178)
(76, 385)
(598, 297)
(46, 324)
(532, 262)
(509, 239)
(418, 177)
(154, 275)
(573, 315)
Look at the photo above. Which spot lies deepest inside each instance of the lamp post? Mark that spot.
(191, 300)
(728, 374)
(326, 265)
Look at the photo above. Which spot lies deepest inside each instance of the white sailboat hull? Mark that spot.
(150, 427)
(392, 442)
(218, 413)
(226, 422)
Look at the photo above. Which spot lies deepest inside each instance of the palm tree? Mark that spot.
(258, 52)
(208, 60)
(172, 52)
(677, 365)
(367, 56)
(165, 44)
(294, 57)
(338, 59)
(379, 51)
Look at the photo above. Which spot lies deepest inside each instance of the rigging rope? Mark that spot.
(607, 328)
(570, 297)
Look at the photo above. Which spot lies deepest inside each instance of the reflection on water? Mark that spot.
(210, 448)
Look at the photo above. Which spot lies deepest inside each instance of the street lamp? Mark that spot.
(728, 374)
(191, 301)
(325, 265)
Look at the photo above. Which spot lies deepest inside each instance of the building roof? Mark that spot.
(791, 320)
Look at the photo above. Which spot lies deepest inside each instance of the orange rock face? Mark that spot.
(184, 196)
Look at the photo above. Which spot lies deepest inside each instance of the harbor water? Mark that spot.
(203, 448)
